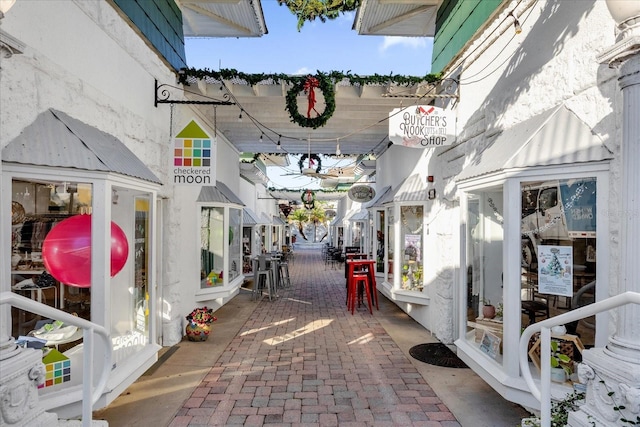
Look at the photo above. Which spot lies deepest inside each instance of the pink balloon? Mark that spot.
(66, 251)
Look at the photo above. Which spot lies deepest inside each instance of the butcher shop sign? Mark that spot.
(422, 126)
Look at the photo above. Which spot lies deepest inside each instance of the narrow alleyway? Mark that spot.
(303, 359)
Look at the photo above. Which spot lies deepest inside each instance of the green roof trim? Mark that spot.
(160, 22)
(456, 23)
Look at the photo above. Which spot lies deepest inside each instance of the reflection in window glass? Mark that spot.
(211, 246)
(411, 243)
(390, 238)
(558, 251)
(484, 254)
(235, 263)
(380, 239)
(36, 208)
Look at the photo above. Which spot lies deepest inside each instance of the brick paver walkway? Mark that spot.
(304, 360)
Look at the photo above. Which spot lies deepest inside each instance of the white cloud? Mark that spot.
(303, 71)
(410, 42)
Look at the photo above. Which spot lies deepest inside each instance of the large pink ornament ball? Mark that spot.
(66, 251)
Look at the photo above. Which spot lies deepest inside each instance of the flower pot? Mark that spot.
(558, 375)
(488, 311)
(197, 331)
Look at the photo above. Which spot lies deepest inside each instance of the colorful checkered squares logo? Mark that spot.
(192, 152)
(57, 373)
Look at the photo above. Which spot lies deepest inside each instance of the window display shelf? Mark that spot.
(400, 295)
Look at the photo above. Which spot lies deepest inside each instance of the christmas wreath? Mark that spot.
(314, 157)
(308, 199)
(308, 85)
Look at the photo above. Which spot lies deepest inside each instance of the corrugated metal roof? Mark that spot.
(264, 218)
(401, 18)
(215, 18)
(361, 215)
(58, 140)
(379, 197)
(412, 189)
(278, 221)
(218, 194)
(249, 217)
(337, 220)
(554, 137)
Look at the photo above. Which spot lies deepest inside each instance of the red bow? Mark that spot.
(308, 87)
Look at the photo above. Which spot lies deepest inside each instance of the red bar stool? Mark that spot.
(357, 280)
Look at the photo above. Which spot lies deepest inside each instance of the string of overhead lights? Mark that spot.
(265, 130)
(517, 27)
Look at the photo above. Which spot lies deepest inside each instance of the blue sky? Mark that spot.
(329, 46)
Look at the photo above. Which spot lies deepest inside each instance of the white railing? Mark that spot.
(543, 394)
(90, 395)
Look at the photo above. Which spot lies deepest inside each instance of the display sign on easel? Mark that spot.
(555, 270)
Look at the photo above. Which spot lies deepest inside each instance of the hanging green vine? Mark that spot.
(309, 10)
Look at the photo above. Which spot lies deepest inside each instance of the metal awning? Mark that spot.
(412, 189)
(361, 215)
(376, 202)
(554, 137)
(219, 193)
(58, 140)
(337, 220)
(278, 221)
(264, 218)
(249, 217)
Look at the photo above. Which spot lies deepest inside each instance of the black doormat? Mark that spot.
(436, 354)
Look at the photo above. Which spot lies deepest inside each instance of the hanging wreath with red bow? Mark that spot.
(314, 160)
(308, 86)
(308, 199)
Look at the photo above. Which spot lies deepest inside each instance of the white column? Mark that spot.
(625, 342)
(613, 372)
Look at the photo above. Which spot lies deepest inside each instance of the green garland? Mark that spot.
(309, 10)
(314, 157)
(326, 86)
(192, 74)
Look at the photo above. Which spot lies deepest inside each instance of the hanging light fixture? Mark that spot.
(260, 140)
(516, 23)
(338, 152)
(279, 147)
(240, 117)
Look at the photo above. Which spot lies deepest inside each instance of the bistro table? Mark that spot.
(369, 264)
(272, 263)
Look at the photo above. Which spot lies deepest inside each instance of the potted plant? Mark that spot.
(488, 309)
(199, 324)
(560, 363)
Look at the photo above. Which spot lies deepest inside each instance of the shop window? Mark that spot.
(389, 245)
(484, 254)
(379, 227)
(558, 251)
(411, 218)
(235, 260)
(211, 246)
(220, 245)
(36, 208)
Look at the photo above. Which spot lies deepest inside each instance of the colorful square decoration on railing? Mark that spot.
(57, 369)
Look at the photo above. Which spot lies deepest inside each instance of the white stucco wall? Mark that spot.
(107, 82)
(553, 61)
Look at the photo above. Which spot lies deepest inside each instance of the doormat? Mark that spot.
(436, 354)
